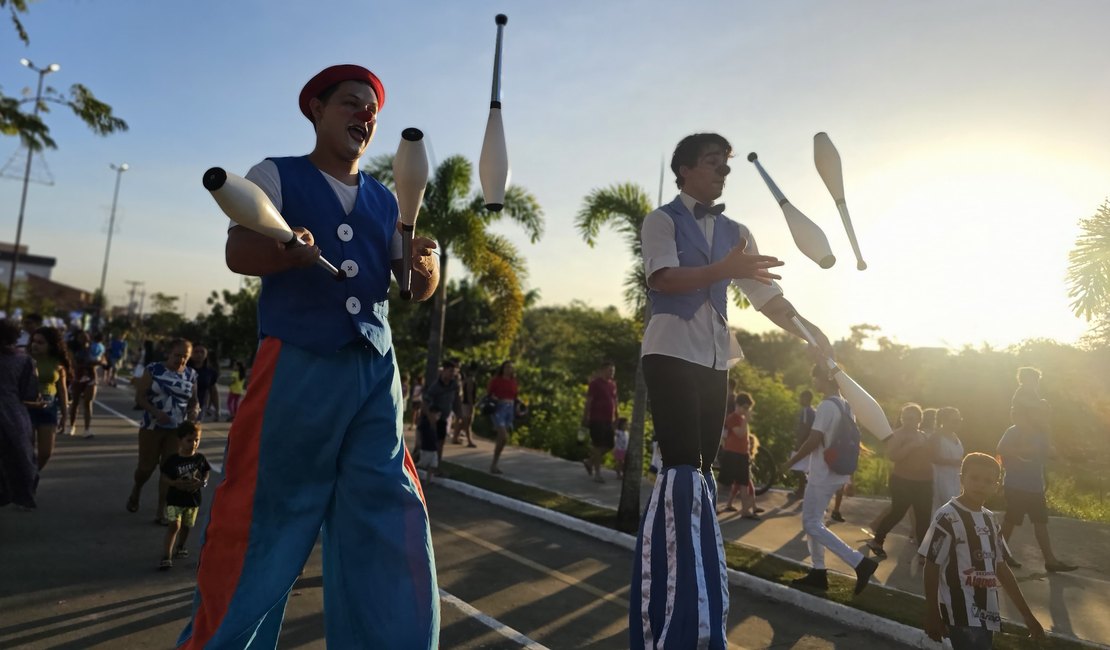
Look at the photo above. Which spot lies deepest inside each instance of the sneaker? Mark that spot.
(815, 579)
(589, 467)
(876, 548)
(599, 479)
(864, 570)
(165, 565)
(836, 516)
(181, 552)
(88, 434)
(72, 430)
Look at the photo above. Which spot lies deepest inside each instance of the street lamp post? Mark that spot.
(119, 169)
(53, 67)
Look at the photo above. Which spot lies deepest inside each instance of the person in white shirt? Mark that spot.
(821, 484)
(692, 252)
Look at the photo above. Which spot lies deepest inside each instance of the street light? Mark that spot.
(53, 67)
(119, 169)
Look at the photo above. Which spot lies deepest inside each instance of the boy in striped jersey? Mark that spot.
(966, 564)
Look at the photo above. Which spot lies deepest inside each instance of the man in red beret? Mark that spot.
(317, 440)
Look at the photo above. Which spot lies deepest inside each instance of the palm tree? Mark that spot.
(460, 223)
(624, 207)
(1089, 267)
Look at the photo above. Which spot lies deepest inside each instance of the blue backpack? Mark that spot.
(842, 456)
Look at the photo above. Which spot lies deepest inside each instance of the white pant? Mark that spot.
(819, 536)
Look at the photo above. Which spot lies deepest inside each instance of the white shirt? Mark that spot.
(704, 339)
(265, 175)
(827, 422)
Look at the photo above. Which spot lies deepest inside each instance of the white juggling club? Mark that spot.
(247, 205)
(827, 160)
(410, 178)
(869, 414)
(493, 165)
(808, 236)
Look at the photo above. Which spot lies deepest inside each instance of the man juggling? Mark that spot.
(692, 252)
(317, 439)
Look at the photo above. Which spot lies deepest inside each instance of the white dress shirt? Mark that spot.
(704, 339)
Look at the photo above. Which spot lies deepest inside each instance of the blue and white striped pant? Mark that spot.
(679, 597)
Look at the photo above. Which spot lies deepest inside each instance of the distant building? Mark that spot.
(34, 286)
(61, 297)
(36, 265)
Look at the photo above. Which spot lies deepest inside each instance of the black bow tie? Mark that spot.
(701, 210)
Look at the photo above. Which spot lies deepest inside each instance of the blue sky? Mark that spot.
(973, 135)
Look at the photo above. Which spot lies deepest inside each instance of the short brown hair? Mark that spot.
(978, 459)
(186, 429)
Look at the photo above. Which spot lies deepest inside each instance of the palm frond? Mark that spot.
(623, 206)
(1088, 274)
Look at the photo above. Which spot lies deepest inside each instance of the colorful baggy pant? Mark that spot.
(317, 443)
(679, 596)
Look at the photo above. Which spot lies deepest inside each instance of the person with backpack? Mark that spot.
(833, 452)
(911, 478)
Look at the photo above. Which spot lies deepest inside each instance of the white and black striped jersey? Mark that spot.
(967, 546)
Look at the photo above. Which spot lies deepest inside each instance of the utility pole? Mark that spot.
(131, 300)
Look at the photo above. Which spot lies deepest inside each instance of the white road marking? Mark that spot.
(490, 622)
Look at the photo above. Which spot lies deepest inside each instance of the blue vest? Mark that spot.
(307, 307)
(693, 250)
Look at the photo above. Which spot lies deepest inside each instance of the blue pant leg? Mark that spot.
(380, 586)
(679, 590)
(278, 483)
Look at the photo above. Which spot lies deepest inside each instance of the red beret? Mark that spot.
(328, 77)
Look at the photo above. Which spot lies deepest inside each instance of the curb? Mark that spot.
(849, 616)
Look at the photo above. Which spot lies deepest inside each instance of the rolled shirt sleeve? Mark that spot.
(658, 243)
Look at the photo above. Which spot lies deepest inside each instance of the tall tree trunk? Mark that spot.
(628, 510)
(439, 316)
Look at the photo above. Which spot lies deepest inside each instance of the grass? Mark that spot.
(894, 605)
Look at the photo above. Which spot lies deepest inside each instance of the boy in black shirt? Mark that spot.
(186, 472)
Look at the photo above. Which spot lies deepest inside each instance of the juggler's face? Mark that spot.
(705, 181)
(338, 130)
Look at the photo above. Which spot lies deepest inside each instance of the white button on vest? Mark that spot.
(345, 232)
(350, 267)
(353, 305)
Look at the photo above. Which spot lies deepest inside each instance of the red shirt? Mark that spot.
(602, 396)
(736, 424)
(502, 388)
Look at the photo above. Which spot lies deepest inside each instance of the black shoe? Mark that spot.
(815, 579)
(1012, 563)
(864, 569)
(836, 516)
(1059, 567)
(876, 548)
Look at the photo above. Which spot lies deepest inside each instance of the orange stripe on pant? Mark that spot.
(220, 566)
(410, 470)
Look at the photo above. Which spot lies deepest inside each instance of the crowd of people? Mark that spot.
(175, 390)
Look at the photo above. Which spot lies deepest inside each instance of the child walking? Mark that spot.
(620, 445)
(966, 566)
(185, 473)
(736, 457)
(427, 441)
(236, 389)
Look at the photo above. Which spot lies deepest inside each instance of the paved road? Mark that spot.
(1074, 604)
(80, 572)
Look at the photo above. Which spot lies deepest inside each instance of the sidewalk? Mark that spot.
(1074, 604)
